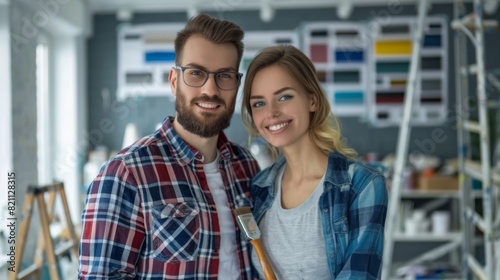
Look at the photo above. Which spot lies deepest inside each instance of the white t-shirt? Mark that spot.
(293, 238)
(228, 258)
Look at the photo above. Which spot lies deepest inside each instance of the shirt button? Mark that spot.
(325, 209)
(332, 255)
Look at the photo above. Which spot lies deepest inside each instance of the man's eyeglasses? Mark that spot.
(224, 80)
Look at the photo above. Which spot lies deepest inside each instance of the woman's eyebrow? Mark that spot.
(275, 93)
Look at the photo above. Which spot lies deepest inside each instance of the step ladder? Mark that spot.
(401, 160)
(472, 26)
(45, 241)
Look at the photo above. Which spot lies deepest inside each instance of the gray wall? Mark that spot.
(146, 112)
(24, 114)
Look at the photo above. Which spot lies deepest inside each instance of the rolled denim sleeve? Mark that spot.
(366, 219)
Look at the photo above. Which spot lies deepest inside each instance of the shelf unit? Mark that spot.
(436, 193)
(390, 61)
(340, 52)
(410, 38)
(433, 199)
(446, 244)
(146, 54)
(426, 237)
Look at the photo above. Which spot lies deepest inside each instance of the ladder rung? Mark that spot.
(490, 23)
(475, 218)
(473, 169)
(495, 176)
(476, 267)
(30, 270)
(64, 247)
(468, 22)
(472, 126)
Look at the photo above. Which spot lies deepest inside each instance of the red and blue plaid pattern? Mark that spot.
(149, 214)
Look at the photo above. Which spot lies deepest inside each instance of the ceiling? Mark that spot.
(105, 6)
(202, 5)
(125, 9)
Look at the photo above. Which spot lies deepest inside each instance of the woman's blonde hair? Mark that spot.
(324, 128)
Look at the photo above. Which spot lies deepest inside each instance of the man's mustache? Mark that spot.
(206, 98)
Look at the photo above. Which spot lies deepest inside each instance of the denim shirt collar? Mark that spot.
(336, 174)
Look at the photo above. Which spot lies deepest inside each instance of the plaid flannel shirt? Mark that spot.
(149, 214)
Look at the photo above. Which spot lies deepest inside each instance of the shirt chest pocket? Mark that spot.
(341, 236)
(175, 231)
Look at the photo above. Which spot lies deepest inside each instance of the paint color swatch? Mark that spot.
(319, 53)
(393, 47)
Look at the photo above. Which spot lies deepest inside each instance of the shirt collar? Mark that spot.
(336, 173)
(182, 151)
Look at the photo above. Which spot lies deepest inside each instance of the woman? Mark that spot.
(321, 212)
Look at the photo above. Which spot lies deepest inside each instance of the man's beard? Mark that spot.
(211, 124)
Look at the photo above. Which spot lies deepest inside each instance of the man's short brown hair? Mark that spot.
(215, 30)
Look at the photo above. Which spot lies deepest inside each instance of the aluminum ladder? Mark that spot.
(472, 26)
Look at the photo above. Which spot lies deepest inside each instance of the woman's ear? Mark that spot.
(313, 103)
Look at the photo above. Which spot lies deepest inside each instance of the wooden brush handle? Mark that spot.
(264, 263)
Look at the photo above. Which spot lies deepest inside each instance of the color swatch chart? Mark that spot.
(146, 54)
(392, 49)
(363, 70)
(339, 51)
(257, 40)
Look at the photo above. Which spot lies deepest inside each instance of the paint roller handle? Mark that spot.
(264, 263)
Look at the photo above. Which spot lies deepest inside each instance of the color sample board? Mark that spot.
(363, 71)
(145, 56)
(255, 41)
(390, 63)
(339, 52)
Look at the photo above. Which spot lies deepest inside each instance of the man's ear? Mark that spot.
(172, 79)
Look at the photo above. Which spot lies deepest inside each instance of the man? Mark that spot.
(162, 208)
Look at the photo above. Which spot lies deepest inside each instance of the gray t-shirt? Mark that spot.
(293, 238)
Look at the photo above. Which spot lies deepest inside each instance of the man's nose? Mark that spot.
(210, 86)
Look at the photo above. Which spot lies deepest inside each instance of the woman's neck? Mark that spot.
(305, 161)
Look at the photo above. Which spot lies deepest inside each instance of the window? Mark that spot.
(6, 128)
(43, 119)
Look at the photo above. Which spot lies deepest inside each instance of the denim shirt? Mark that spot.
(353, 210)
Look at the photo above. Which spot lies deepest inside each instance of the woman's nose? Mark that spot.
(273, 111)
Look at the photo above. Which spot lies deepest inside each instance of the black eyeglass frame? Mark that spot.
(183, 68)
